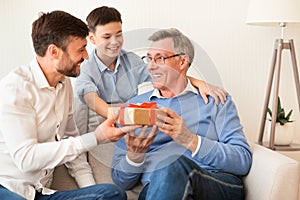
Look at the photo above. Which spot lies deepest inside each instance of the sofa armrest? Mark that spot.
(272, 176)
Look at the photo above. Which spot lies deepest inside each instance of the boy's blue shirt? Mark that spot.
(112, 86)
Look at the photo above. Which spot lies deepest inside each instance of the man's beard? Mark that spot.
(71, 72)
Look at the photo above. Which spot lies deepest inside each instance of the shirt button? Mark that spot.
(57, 137)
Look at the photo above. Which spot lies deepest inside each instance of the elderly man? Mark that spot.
(200, 151)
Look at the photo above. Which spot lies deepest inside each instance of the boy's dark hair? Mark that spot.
(101, 16)
(56, 28)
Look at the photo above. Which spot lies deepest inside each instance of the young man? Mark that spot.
(200, 151)
(111, 74)
(36, 112)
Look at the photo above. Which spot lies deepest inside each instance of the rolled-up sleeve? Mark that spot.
(84, 84)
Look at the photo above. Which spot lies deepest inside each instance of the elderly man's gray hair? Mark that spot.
(182, 44)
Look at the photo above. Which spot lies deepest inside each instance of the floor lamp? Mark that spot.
(276, 13)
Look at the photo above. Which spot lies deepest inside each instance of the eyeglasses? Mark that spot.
(159, 59)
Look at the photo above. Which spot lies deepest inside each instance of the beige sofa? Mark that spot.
(273, 176)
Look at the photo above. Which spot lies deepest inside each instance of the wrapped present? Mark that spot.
(139, 114)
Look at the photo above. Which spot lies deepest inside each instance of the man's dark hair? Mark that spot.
(101, 16)
(56, 28)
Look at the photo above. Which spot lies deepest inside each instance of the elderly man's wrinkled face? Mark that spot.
(164, 64)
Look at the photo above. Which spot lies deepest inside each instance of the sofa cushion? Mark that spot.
(100, 159)
(62, 180)
(272, 175)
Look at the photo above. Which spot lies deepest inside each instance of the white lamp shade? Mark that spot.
(273, 12)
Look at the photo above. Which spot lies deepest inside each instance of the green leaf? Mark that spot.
(289, 115)
(280, 115)
(278, 106)
(269, 111)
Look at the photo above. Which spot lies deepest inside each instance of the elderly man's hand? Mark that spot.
(173, 125)
(137, 145)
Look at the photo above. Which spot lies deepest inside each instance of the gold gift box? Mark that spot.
(134, 115)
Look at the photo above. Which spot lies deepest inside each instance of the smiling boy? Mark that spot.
(111, 74)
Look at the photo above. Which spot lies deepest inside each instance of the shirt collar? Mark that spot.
(189, 88)
(101, 65)
(39, 76)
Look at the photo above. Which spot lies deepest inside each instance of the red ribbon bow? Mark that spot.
(144, 105)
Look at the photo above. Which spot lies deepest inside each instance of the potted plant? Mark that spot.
(284, 130)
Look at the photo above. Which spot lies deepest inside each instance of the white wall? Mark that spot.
(241, 53)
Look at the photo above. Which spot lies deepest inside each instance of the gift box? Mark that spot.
(138, 114)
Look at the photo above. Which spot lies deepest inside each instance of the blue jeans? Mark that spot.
(184, 179)
(95, 192)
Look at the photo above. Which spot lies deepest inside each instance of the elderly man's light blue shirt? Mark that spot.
(223, 147)
(112, 86)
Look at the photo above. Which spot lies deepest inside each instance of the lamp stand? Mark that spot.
(276, 65)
